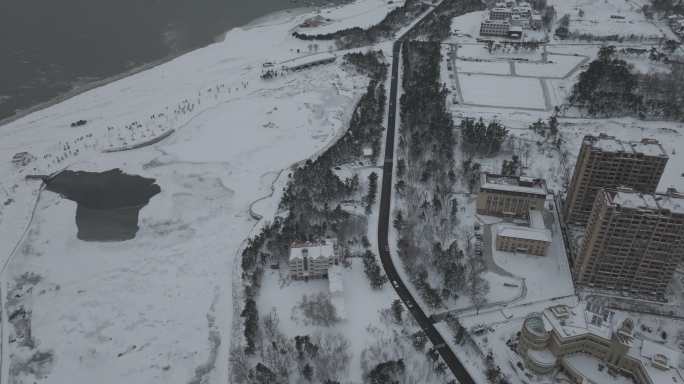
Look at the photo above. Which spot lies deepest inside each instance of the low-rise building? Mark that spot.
(578, 342)
(533, 240)
(312, 260)
(500, 13)
(516, 238)
(494, 27)
(510, 195)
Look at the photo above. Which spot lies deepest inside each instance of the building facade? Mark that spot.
(633, 242)
(515, 238)
(494, 28)
(509, 195)
(606, 162)
(500, 13)
(311, 260)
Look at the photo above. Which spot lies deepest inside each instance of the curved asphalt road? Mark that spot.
(425, 323)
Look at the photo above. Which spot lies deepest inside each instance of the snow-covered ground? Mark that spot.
(483, 67)
(360, 14)
(627, 18)
(158, 308)
(557, 66)
(502, 91)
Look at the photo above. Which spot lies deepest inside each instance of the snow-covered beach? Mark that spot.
(158, 308)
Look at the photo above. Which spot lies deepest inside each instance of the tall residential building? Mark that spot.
(510, 195)
(633, 242)
(606, 162)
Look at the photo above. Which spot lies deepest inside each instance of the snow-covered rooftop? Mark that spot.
(520, 232)
(588, 366)
(312, 250)
(660, 361)
(513, 184)
(628, 198)
(336, 286)
(648, 147)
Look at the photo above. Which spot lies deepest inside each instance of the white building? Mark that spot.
(336, 287)
(312, 260)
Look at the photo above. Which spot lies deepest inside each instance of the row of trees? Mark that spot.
(425, 163)
(356, 37)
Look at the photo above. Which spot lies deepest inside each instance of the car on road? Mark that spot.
(396, 285)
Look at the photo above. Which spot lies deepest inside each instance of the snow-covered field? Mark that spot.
(627, 18)
(502, 91)
(483, 67)
(558, 66)
(158, 308)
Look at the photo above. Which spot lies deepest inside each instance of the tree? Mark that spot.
(389, 372)
(307, 372)
(398, 220)
(397, 310)
(251, 323)
(562, 31)
(318, 309)
(373, 271)
(372, 190)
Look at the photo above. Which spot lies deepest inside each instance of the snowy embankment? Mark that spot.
(158, 308)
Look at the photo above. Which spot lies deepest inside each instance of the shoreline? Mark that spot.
(254, 23)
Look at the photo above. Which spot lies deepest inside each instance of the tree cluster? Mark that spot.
(480, 138)
(373, 270)
(318, 309)
(437, 25)
(389, 372)
(563, 29)
(425, 165)
(609, 87)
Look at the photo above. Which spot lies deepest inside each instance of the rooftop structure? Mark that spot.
(606, 162)
(510, 196)
(513, 184)
(633, 242)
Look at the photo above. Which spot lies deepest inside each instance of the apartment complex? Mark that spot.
(510, 195)
(606, 162)
(578, 342)
(311, 260)
(633, 242)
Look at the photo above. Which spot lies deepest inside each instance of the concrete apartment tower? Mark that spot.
(606, 162)
(633, 242)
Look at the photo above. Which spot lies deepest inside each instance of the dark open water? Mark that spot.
(48, 46)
